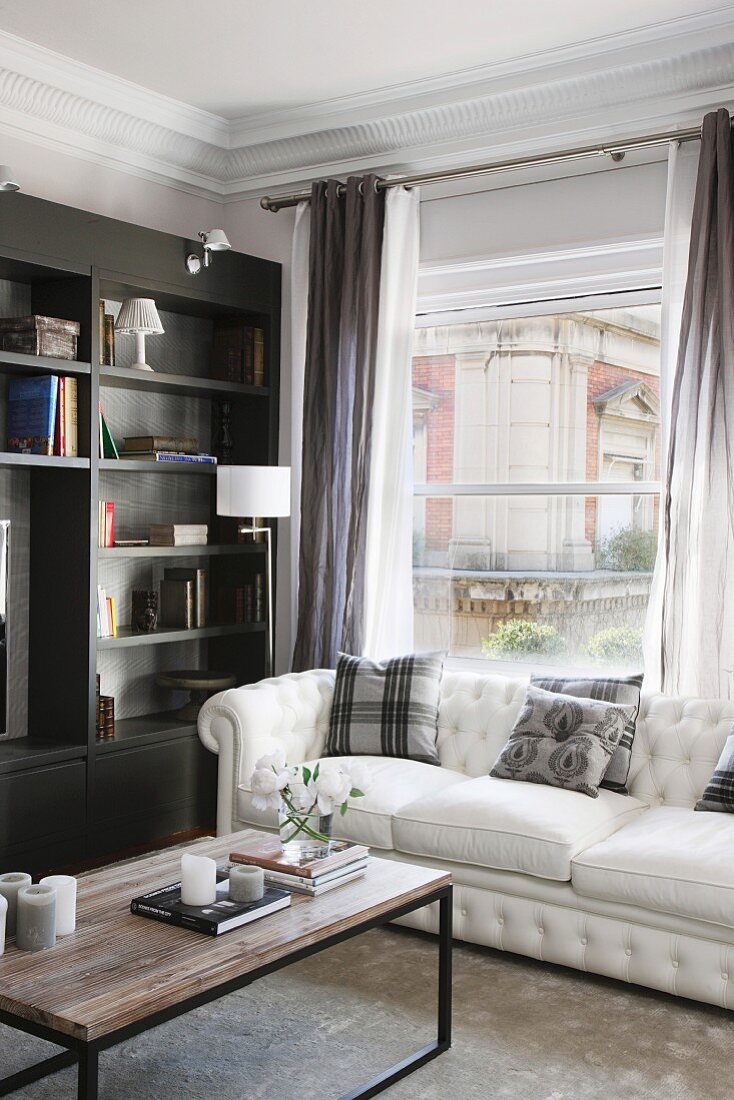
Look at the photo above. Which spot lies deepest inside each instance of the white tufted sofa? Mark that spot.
(635, 887)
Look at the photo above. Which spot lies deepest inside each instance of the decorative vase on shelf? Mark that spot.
(305, 833)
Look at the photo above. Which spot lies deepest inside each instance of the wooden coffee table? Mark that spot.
(119, 975)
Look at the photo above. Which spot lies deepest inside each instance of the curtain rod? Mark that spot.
(615, 150)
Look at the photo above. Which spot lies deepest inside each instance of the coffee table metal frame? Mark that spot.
(86, 1053)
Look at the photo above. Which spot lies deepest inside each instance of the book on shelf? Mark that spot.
(224, 915)
(238, 352)
(107, 445)
(319, 884)
(106, 524)
(178, 534)
(198, 579)
(31, 420)
(106, 614)
(66, 440)
(152, 443)
(243, 603)
(108, 359)
(127, 543)
(169, 456)
(177, 604)
(267, 853)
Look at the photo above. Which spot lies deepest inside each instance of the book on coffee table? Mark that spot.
(319, 884)
(221, 916)
(267, 853)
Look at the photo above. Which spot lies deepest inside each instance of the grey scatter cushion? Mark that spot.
(386, 708)
(623, 690)
(562, 741)
(719, 793)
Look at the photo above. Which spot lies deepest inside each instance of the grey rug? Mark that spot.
(522, 1030)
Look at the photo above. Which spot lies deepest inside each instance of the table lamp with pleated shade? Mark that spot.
(139, 318)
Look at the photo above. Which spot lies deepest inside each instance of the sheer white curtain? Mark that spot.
(289, 541)
(389, 553)
(682, 173)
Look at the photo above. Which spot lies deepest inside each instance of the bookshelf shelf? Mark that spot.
(12, 362)
(19, 753)
(143, 466)
(179, 384)
(10, 459)
(146, 730)
(209, 551)
(127, 637)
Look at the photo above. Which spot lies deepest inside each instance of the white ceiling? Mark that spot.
(242, 58)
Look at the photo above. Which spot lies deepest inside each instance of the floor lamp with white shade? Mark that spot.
(256, 491)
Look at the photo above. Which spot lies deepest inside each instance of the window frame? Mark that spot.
(645, 295)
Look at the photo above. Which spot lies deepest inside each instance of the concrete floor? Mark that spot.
(522, 1030)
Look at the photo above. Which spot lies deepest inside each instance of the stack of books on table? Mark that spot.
(178, 534)
(345, 862)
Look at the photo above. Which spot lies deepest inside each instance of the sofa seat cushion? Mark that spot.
(510, 825)
(369, 820)
(672, 860)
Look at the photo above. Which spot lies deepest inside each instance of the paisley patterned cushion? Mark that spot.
(562, 741)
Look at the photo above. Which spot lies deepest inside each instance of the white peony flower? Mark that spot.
(266, 786)
(274, 760)
(361, 776)
(332, 789)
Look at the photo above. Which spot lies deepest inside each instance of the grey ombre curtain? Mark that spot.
(697, 555)
(343, 305)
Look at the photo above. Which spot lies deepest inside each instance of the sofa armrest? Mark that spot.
(240, 725)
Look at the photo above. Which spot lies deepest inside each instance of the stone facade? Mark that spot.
(571, 397)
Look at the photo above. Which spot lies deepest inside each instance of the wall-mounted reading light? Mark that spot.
(214, 240)
(7, 179)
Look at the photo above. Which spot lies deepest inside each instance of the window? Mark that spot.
(537, 468)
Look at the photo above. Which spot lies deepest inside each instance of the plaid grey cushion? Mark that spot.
(623, 690)
(386, 708)
(562, 741)
(719, 794)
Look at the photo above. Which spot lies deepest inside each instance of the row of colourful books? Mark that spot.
(43, 416)
(106, 614)
(345, 862)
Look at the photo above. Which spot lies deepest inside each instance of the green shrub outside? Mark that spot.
(517, 638)
(628, 550)
(618, 644)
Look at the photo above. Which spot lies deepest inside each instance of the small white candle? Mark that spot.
(10, 884)
(246, 884)
(198, 880)
(3, 915)
(65, 887)
(36, 928)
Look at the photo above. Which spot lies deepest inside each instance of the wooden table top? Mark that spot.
(117, 969)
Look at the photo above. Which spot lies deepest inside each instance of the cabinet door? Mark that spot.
(149, 793)
(42, 816)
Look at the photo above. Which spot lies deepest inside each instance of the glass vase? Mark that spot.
(305, 833)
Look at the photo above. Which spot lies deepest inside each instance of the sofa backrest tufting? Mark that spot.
(677, 744)
(676, 748)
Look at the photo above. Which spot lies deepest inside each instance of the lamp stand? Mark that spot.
(268, 585)
(140, 363)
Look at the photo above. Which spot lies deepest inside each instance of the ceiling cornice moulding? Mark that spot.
(656, 77)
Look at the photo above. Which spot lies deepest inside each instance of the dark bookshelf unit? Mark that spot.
(67, 798)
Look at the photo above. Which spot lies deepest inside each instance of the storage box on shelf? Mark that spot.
(152, 780)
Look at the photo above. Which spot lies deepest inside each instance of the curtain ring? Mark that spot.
(360, 187)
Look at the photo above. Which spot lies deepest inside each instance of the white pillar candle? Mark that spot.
(65, 887)
(36, 928)
(198, 880)
(246, 883)
(10, 884)
(3, 915)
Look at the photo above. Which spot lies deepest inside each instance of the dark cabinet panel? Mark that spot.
(42, 808)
